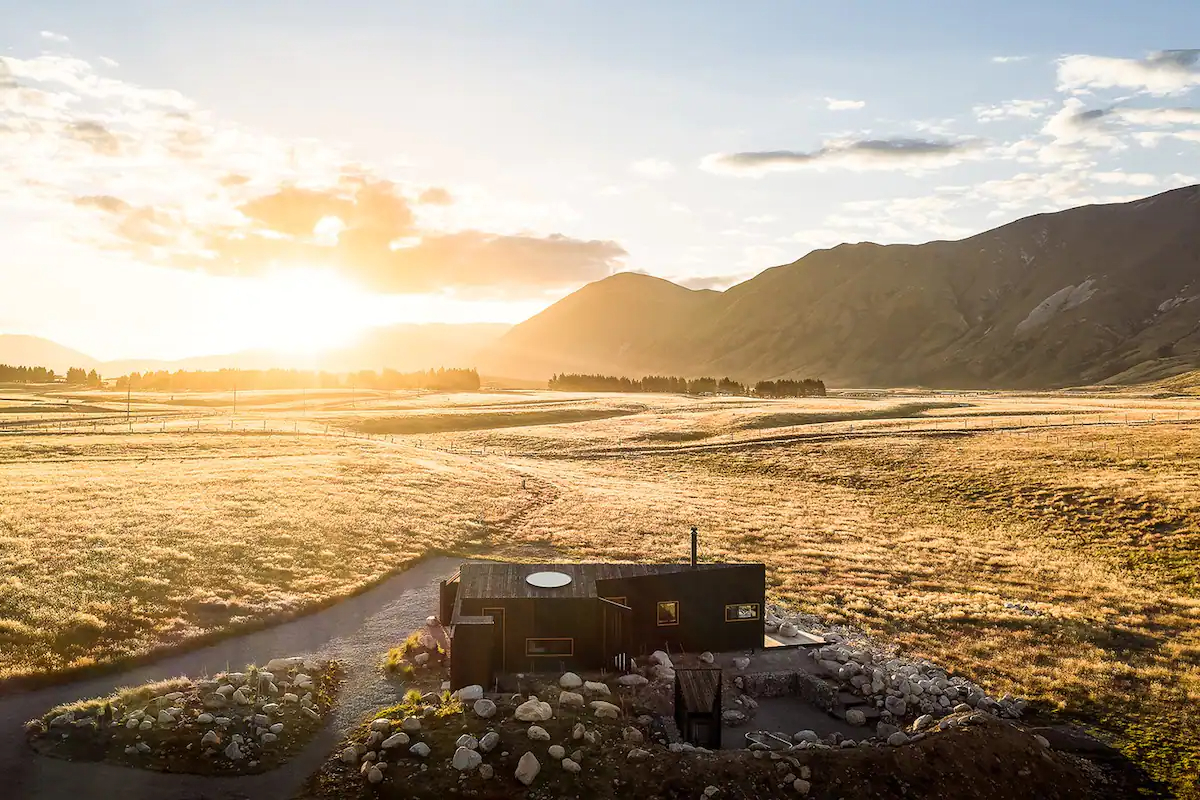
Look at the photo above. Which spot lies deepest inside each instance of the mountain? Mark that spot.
(33, 351)
(1073, 297)
(401, 347)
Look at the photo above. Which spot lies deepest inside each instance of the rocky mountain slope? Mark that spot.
(1069, 298)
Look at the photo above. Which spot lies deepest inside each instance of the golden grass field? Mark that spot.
(914, 517)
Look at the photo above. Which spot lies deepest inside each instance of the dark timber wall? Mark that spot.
(471, 652)
(702, 596)
(519, 619)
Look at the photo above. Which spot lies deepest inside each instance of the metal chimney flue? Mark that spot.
(695, 544)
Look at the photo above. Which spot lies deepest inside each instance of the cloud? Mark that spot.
(104, 202)
(1162, 73)
(859, 155)
(1012, 109)
(655, 168)
(95, 135)
(55, 37)
(833, 104)
(1008, 59)
(435, 196)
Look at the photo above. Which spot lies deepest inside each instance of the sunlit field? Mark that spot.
(1043, 545)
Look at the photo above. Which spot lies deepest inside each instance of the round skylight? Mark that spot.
(548, 580)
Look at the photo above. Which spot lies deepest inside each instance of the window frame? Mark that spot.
(658, 613)
(529, 639)
(757, 612)
(622, 601)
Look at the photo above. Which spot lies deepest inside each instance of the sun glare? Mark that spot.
(309, 310)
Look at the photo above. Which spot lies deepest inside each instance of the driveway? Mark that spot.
(356, 631)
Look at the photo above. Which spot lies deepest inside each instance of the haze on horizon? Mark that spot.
(205, 178)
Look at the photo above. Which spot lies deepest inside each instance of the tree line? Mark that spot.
(669, 384)
(76, 376)
(225, 380)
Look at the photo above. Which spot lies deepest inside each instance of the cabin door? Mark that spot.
(498, 638)
(616, 635)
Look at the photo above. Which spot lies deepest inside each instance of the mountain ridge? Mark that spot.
(1054, 299)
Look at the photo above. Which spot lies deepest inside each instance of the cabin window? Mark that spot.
(741, 612)
(549, 648)
(624, 601)
(668, 612)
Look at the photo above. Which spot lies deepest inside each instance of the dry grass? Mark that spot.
(915, 518)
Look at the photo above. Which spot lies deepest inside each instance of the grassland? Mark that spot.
(1045, 545)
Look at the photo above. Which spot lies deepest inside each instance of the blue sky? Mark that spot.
(702, 142)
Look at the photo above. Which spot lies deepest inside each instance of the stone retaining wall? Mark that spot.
(787, 683)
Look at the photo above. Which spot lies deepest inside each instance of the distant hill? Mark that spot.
(405, 348)
(1074, 297)
(33, 351)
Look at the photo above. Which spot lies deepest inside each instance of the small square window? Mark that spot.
(668, 612)
(741, 612)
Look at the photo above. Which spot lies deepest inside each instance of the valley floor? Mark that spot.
(1044, 545)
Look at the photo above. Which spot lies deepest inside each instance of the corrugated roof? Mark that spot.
(496, 580)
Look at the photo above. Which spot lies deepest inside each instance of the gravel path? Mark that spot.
(356, 631)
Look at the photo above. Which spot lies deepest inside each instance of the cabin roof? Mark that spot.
(508, 580)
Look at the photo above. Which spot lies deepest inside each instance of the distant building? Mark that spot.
(512, 617)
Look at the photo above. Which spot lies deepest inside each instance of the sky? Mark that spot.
(192, 177)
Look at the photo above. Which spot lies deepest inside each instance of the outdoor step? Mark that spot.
(850, 699)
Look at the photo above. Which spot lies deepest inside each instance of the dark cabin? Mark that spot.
(507, 618)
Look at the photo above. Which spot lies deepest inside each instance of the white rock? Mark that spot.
(538, 733)
(284, 664)
(856, 717)
(606, 710)
(898, 738)
(488, 742)
(146, 725)
(577, 731)
(573, 699)
(233, 752)
(1042, 740)
(240, 697)
(383, 725)
(132, 722)
(741, 663)
(466, 759)
(205, 719)
(570, 680)
(557, 752)
(277, 728)
(374, 775)
(210, 738)
(289, 697)
(534, 710)
(225, 690)
(707, 657)
(268, 738)
(662, 672)
(806, 736)
(421, 659)
(349, 756)
(632, 679)
(165, 718)
(709, 791)
(143, 747)
(528, 768)
(595, 687)
(486, 771)
(468, 741)
(270, 708)
(637, 754)
(571, 765)
(311, 714)
(469, 694)
(131, 751)
(662, 659)
(484, 708)
(801, 786)
(420, 750)
(632, 734)
(410, 724)
(395, 740)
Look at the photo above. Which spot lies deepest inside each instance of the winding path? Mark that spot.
(356, 631)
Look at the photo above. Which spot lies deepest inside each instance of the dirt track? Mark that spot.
(356, 631)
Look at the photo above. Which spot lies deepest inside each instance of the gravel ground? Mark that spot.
(357, 632)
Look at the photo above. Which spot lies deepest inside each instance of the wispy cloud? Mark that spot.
(1162, 73)
(51, 36)
(1012, 109)
(1008, 59)
(655, 168)
(860, 154)
(834, 104)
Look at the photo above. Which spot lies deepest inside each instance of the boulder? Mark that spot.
(538, 733)
(469, 694)
(570, 680)
(570, 765)
(788, 630)
(707, 657)
(484, 708)
(205, 719)
(895, 706)
(268, 738)
(578, 731)
(573, 699)
(241, 698)
(421, 659)
(488, 742)
(806, 736)
(741, 663)
(395, 740)
(308, 712)
(801, 786)
(233, 752)
(557, 752)
(284, 664)
(632, 680)
(374, 775)
(632, 735)
(528, 768)
(856, 717)
(662, 672)
(349, 756)
(420, 750)
(165, 718)
(660, 658)
(922, 722)
(733, 717)
(486, 771)
(270, 708)
(637, 754)
(210, 739)
(383, 725)
(898, 738)
(410, 725)
(595, 687)
(534, 710)
(606, 710)
(466, 760)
